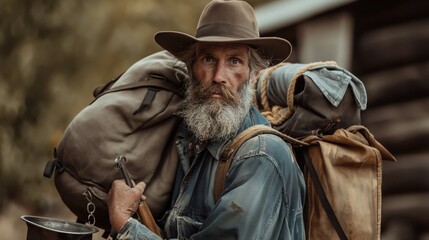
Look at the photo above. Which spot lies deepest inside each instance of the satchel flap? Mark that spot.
(385, 154)
(360, 134)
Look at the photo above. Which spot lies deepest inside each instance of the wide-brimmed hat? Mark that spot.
(226, 22)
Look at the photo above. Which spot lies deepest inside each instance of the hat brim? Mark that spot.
(277, 49)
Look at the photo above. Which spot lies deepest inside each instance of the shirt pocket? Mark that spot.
(186, 227)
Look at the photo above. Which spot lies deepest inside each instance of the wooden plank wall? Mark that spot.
(391, 56)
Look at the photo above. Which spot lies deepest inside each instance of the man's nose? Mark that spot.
(220, 74)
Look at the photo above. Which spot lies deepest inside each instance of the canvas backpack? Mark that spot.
(132, 116)
(316, 108)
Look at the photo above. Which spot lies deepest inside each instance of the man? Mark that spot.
(264, 190)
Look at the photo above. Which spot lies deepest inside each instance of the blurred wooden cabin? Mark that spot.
(386, 45)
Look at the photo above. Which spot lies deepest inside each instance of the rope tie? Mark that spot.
(276, 115)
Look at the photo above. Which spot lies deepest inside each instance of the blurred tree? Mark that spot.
(52, 55)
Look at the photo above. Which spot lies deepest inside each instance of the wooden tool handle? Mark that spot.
(147, 219)
(143, 211)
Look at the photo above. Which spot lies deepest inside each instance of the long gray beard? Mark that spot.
(215, 119)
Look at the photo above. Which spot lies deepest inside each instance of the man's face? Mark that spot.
(222, 64)
(219, 94)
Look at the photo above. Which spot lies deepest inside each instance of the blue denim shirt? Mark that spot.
(263, 197)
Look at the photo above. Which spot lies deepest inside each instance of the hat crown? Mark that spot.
(234, 19)
(231, 22)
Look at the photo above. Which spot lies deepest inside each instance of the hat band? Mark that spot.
(225, 30)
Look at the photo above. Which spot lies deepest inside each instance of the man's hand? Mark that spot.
(123, 202)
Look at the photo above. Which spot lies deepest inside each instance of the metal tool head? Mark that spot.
(119, 161)
(56, 229)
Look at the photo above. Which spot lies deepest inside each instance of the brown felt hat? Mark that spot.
(226, 22)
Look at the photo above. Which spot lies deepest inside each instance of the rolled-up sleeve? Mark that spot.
(134, 230)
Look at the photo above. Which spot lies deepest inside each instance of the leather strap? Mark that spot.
(153, 81)
(147, 100)
(99, 90)
(322, 196)
(232, 147)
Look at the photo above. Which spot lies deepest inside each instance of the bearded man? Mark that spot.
(264, 190)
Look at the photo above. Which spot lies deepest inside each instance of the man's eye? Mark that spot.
(235, 61)
(208, 59)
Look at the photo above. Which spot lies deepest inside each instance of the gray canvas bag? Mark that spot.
(132, 116)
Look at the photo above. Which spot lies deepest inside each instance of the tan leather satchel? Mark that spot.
(343, 179)
(132, 116)
(347, 167)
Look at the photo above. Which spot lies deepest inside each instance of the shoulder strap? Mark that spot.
(322, 196)
(100, 89)
(230, 150)
(152, 81)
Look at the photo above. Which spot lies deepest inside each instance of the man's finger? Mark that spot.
(141, 186)
(118, 182)
(143, 198)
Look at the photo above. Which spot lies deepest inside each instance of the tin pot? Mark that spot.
(56, 229)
